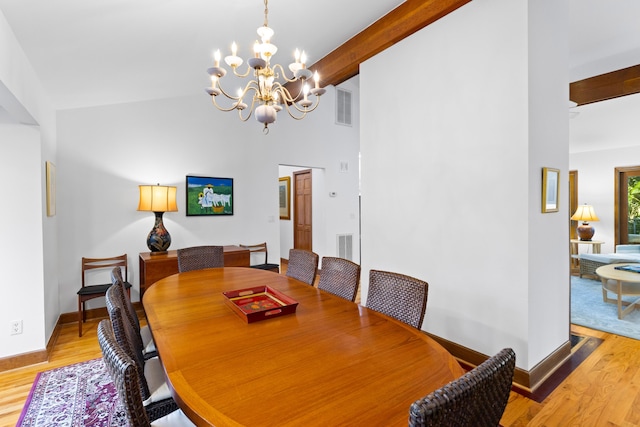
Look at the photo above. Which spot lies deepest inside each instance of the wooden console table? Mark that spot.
(156, 267)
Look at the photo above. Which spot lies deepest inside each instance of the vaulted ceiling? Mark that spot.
(109, 51)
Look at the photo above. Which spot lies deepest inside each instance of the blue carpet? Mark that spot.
(588, 309)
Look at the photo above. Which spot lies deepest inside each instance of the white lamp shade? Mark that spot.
(157, 198)
(585, 213)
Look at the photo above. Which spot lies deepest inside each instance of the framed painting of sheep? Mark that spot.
(209, 196)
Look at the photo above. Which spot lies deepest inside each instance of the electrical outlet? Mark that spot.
(16, 327)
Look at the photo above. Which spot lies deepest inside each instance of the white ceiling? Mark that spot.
(94, 52)
(606, 124)
(604, 36)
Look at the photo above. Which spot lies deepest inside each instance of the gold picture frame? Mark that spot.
(51, 188)
(550, 189)
(284, 197)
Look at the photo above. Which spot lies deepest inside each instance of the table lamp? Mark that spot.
(158, 199)
(585, 213)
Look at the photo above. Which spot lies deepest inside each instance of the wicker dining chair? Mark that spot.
(399, 296)
(124, 332)
(151, 380)
(122, 370)
(302, 265)
(339, 276)
(476, 399)
(200, 257)
(141, 333)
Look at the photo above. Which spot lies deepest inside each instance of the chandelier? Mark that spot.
(268, 95)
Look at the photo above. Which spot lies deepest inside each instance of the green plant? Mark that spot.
(633, 192)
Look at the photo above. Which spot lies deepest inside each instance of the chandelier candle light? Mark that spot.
(268, 95)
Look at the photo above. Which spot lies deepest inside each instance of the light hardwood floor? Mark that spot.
(604, 390)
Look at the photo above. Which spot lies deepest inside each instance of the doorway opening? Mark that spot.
(305, 224)
(627, 205)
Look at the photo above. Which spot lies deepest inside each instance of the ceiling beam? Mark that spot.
(606, 86)
(411, 16)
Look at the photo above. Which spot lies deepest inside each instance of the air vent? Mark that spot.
(343, 107)
(345, 246)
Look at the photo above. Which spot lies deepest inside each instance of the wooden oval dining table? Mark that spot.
(332, 362)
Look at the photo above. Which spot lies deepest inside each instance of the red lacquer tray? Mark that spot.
(259, 303)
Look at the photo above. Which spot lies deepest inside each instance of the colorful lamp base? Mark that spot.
(159, 238)
(585, 231)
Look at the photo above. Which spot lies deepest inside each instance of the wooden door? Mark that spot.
(302, 219)
(573, 203)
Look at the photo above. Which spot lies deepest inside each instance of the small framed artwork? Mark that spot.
(209, 196)
(550, 189)
(51, 188)
(284, 193)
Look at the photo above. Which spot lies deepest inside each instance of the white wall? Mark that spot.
(104, 153)
(24, 147)
(451, 175)
(21, 231)
(548, 264)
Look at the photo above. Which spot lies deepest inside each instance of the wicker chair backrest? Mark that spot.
(302, 265)
(399, 296)
(340, 277)
(200, 257)
(125, 337)
(130, 312)
(477, 399)
(123, 373)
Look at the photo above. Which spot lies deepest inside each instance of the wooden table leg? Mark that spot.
(619, 299)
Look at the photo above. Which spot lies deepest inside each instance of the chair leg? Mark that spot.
(80, 317)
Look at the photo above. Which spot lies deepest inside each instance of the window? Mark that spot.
(627, 205)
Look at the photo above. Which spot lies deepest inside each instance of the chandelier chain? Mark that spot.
(266, 13)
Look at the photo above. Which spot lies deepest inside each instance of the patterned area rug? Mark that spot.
(588, 309)
(76, 395)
